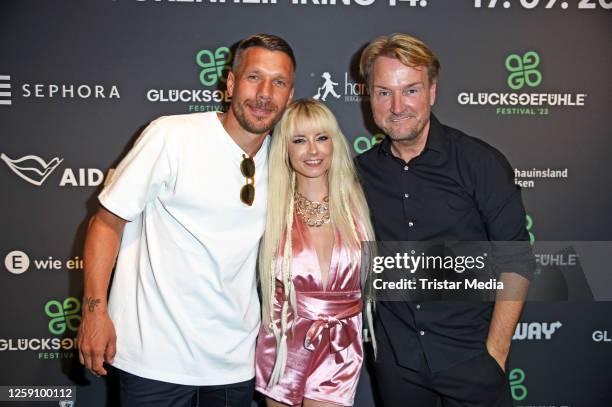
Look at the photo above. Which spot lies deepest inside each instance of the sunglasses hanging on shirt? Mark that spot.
(247, 192)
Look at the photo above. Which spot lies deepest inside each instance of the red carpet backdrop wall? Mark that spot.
(79, 80)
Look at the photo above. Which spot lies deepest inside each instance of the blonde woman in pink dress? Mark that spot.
(309, 350)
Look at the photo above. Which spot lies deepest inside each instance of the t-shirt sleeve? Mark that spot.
(141, 175)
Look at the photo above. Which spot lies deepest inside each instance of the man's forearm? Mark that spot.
(506, 313)
(100, 252)
(505, 317)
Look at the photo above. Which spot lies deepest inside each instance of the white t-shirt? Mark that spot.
(184, 300)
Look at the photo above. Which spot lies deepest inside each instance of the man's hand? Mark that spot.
(96, 339)
(506, 313)
(499, 356)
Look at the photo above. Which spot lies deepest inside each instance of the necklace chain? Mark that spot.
(313, 213)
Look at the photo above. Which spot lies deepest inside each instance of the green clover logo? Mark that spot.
(523, 70)
(516, 377)
(529, 226)
(363, 144)
(215, 65)
(63, 315)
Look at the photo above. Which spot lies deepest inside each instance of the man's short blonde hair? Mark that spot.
(409, 50)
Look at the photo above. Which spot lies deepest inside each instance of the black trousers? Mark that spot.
(137, 391)
(477, 382)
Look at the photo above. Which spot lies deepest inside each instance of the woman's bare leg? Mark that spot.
(315, 403)
(274, 403)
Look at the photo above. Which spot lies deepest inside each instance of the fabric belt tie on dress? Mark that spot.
(331, 311)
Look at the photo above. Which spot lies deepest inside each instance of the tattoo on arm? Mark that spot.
(91, 303)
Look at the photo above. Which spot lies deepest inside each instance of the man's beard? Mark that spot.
(410, 135)
(258, 126)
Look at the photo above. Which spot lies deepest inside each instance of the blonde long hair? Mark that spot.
(348, 211)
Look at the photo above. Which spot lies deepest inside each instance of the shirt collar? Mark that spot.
(436, 140)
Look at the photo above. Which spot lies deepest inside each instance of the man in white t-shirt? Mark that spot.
(183, 216)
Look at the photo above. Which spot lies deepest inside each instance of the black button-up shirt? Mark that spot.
(458, 188)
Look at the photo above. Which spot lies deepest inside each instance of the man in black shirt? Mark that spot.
(429, 182)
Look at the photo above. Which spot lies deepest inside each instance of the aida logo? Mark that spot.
(35, 170)
(523, 70)
(216, 65)
(327, 88)
(517, 377)
(32, 168)
(64, 315)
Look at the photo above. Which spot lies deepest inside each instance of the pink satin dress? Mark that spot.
(325, 350)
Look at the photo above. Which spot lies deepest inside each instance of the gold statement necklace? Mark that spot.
(313, 213)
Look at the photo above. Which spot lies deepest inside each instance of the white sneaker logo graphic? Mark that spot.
(326, 88)
(32, 168)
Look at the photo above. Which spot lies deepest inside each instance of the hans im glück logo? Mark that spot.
(214, 66)
(524, 78)
(327, 88)
(63, 315)
(337, 88)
